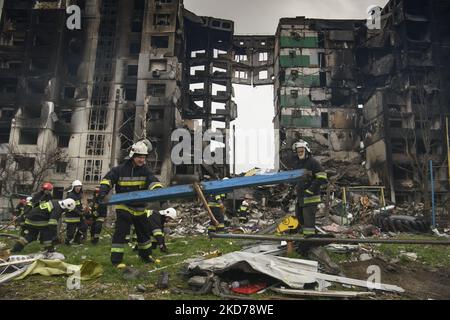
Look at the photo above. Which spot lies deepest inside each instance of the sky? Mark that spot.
(255, 105)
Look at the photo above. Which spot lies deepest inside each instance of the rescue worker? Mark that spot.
(96, 215)
(243, 211)
(41, 223)
(308, 187)
(18, 213)
(156, 221)
(215, 203)
(76, 227)
(44, 195)
(132, 175)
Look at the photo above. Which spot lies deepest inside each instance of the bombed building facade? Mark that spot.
(141, 68)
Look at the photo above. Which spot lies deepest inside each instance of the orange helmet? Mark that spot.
(47, 186)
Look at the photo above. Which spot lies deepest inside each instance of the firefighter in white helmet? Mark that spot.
(308, 186)
(75, 224)
(41, 223)
(131, 175)
(156, 222)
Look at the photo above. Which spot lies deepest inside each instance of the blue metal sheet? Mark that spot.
(209, 187)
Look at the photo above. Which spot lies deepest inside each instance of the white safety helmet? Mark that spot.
(29, 199)
(67, 204)
(141, 147)
(170, 212)
(76, 183)
(301, 144)
(245, 203)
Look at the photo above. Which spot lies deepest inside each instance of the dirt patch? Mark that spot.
(418, 281)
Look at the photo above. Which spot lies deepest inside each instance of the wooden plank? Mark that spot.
(209, 187)
(331, 293)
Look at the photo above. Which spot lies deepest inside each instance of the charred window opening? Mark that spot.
(132, 70)
(160, 41)
(130, 93)
(136, 25)
(25, 163)
(61, 167)
(72, 69)
(24, 188)
(92, 170)
(8, 86)
(395, 123)
(420, 147)
(69, 92)
(161, 20)
(398, 145)
(324, 120)
(402, 172)
(135, 48)
(321, 40)
(7, 113)
(156, 115)
(156, 90)
(417, 7)
(322, 60)
(28, 136)
(37, 87)
(65, 115)
(323, 79)
(139, 4)
(39, 64)
(4, 134)
(63, 141)
(418, 31)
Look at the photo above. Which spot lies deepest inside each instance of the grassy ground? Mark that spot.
(112, 285)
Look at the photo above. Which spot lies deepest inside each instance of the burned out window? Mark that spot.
(135, 48)
(61, 167)
(132, 70)
(92, 170)
(324, 119)
(63, 141)
(160, 41)
(156, 90)
(130, 93)
(161, 20)
(97, 119)
(69, 92)
(139, 4)
(65, 115)
(7, 113)
(24, 188)
(25, 163)
(95, 144)
(136, 25)
(28, 136)
(3, 161)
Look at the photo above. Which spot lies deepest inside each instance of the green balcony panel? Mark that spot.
(300, 122)
(295, 61)
(299, 101)
(302, 81)
(306, 42)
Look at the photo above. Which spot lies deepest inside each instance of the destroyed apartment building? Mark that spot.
(142, 68)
